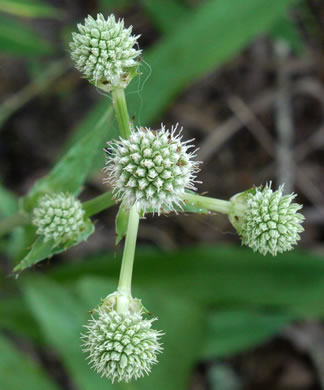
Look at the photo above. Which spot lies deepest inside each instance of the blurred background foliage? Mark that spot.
(243, 78)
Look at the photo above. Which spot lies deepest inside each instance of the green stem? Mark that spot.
(126, 271)
(8, 224)
(120, 106)
(100, 203)
(204, 202)
(125, 278)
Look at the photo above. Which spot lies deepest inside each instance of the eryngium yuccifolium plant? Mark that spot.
(151, 168)
(59, 217)
(271, 222)
(121, 346)
(104, 52)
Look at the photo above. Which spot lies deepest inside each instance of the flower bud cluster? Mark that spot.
(59, 217)
(270, 222)
(151, 168)
(121, 346)
(104, 52)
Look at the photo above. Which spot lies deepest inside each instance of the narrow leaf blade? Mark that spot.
(29, 8)
(70, 172)
(41, 250)
(16, 38)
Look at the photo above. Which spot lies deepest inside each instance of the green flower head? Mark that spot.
(104, 52)
(151, 168)
(121, 346)
(267, 220)
(59, 217)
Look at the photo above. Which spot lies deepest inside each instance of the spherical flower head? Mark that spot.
(269, 221)
(122, 346)
(59, 217)
(151, 169)
(104, 52)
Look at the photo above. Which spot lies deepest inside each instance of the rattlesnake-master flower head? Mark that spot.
(151, 168)
(121, 346)
(59, 217)
(267, 220)
(104, 52)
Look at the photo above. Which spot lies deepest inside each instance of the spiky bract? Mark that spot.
(151, 168)
(121, 346)
(59, 217)
(104, 52)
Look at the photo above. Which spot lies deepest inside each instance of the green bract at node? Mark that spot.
(121, 346)
(59, 217)
(151, 169)
(267, 220)
(104, 52)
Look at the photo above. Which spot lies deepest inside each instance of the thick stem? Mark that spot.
(120, 106)
(125, 278)
(218, 205)
(8, 224)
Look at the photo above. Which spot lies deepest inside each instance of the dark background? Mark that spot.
(256, 111)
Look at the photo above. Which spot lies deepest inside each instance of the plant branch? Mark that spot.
(98, 204)
(204, 202)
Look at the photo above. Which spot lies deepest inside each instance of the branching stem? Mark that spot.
(204, 202)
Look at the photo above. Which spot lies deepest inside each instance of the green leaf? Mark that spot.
(29, 8)
(121, 223)
(166, 14)
(16, 38)
(42, 250)
(19, 371)
(69, 174)
(234, 331)
(8, 208)
(182, 321)
(15, 317)
(86, 125)
(8, 202)
(292, 282)
(21, 241)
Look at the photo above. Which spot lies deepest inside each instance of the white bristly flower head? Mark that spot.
(151, 169)
(267, 220)
(59, 217)
(121, 346)
(104, 52)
